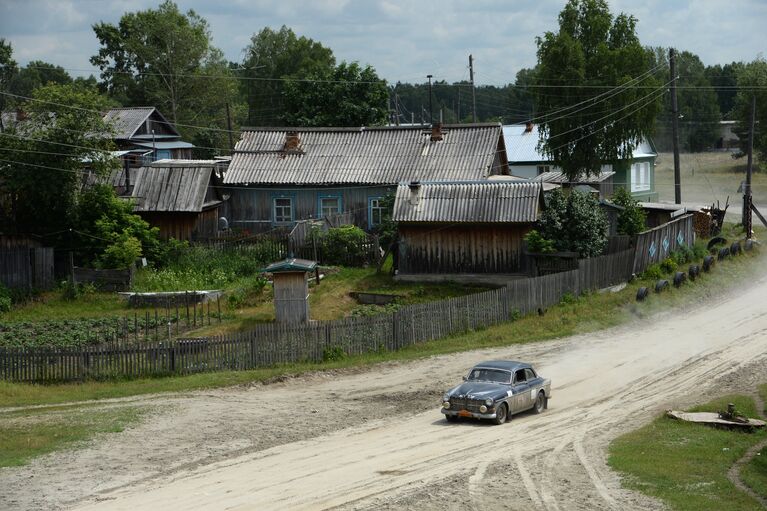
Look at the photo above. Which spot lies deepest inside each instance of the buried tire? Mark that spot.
(708, 262)
(642, 293)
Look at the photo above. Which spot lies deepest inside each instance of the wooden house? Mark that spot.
(636, 174)
(465, 227)
(181, 197)
(282, 175)
(143, 135)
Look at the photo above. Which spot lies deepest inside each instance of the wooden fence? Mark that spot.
(105, 280)
(27, 268)
(655, 245)
(273, 343)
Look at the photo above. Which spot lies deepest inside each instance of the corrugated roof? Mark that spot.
(560, 178)
(376, 155)
(522, 147)
(172, 185)
(177, 144)
(476, 202)
(126, 121)
(291, 265)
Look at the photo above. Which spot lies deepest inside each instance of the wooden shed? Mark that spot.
(180, 197)
(465, 227)
(291, 289)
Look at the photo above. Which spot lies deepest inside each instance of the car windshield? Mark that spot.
(494, 375)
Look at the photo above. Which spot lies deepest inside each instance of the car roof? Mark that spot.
(506, 365)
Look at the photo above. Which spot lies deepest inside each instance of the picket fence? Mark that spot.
(272, 343)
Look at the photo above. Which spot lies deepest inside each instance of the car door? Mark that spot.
(534, 385)
(521, 391)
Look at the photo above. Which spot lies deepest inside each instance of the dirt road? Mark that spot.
(375, 439)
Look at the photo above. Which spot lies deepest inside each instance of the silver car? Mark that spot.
(496, 390)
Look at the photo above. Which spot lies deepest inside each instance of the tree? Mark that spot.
(347, 95)
(725, 80)
(8, 70)
(41, 159)
(696, 102)
(165, 58)
(36, 74)
(597, 58)
(574, 222)
(752, 81)
(272, 56)
(631, 219)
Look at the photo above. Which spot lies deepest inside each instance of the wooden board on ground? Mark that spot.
(713, 419)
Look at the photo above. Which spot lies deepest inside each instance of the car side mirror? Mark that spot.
(464, 378)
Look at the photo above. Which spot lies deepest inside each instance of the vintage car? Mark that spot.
(495, 390)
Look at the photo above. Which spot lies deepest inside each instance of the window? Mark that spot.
(519, 376)
(329, 206)
(376, 212)
(640, 177)
(162, 154)
(530, 374)
(543, 168)
(283, 210)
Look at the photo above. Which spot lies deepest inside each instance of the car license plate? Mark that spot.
(464, 413)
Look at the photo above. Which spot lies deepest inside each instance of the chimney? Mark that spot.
(528, 127)
(415, 192)
(292, 141)
(436, 132)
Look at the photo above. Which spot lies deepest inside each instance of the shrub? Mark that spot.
(374, 310)
(345, 245)
(333, 354)
(653, 272)
(683, 255)
(121, 254)
(669, 265)
(538, 244)
(568, 298)
(631, 220)
(699, 251)
(5, 299)
(575, 223)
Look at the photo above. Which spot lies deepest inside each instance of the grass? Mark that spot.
(28, 434)
(707, 177)
(52, 306)
(585, 314)
(754, 474)
(685, 464)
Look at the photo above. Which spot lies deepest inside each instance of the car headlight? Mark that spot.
(482, 409)
(446, 405)
(489, 401)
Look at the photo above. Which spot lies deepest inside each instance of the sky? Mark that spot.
(404, 40)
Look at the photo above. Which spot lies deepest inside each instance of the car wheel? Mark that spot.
(451, 418)
(540, 403)
(501, 414)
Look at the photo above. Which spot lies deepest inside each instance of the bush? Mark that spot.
(5, 299)
(333, 354)
(575, 223)
(631, 220)
(345, 245)
(683, 255)
(669, 265)
(653, 272)
(568, 299)
(121, 254)
(537, 244)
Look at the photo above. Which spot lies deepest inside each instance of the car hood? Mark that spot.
(479, 390)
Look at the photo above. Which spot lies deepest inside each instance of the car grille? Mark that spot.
(460, 403)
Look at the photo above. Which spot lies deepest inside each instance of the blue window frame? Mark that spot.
(329, 204)
(375, 211)
(283, 209)
(162, 154)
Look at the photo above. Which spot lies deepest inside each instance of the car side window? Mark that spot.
(519, 376)
(530, 374)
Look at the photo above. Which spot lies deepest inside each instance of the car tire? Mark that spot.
(500, 418)
(451, 418)
(540, 402)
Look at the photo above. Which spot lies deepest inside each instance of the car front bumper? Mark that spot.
(467, 413)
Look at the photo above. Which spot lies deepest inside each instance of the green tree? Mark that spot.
(165, 58)
(35, 75)
(575, 223)
(41, 159)
(347, 95)
(593, 56)
(8, 70)
(752, 81)
(725, 80)
(631, 219)
(272, 56)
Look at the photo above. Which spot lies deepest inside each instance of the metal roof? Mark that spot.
(560, 178)
(367, 155)
(172, 185)
(522, 146)
(475, 202)
(291, 265)
(506, 365)
(177, 144)
(127, 121)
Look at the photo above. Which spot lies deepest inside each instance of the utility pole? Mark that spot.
(473, 90)
(747, 198)
(458, 112)
(229, 127)
(675, 128)
(396, 108)
(431, 108)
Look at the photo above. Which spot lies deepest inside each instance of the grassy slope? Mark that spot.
(755, 473)
(684, 464)
(587, 314)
